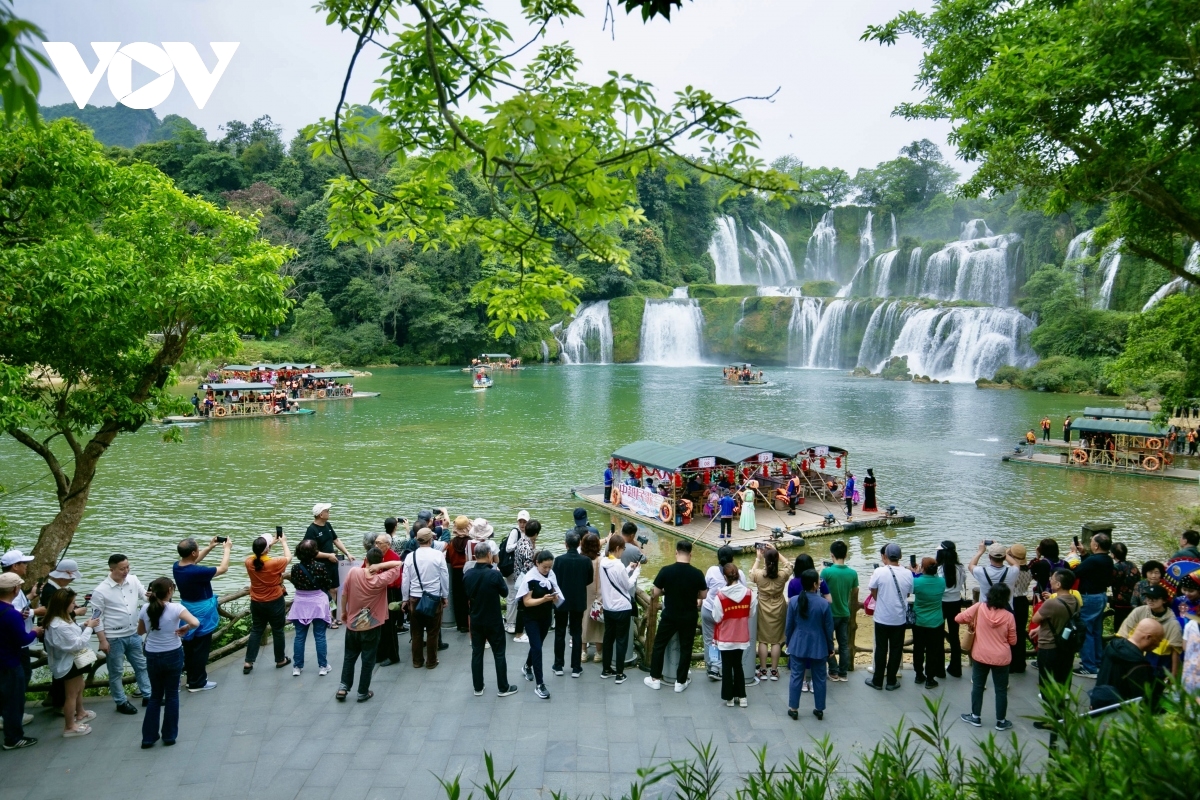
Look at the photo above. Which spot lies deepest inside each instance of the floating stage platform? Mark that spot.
(1063, 462)
(808, 522)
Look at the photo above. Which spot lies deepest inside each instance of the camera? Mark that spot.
(643, 539)
(222, 539)
(988, 542)
(827, 562)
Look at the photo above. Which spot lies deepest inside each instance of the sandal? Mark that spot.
(335, 625)
(341, 695)
(283, 663)
(246, 668)
(362, 698)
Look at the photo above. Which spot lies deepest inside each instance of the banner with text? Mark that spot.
(642, 501)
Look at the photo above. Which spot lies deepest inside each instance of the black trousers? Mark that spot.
(462, 606)
(726, 526)
(389, 632)
(567, 621)
(850, 506)
(608, 494)
(928, 655)
(270, 613)
(685, 628)
(949, 612)
(889, 644)
(733, 674)
(493, 635)
(359, 643)
(195, 660)
(12, 703)
(1021, 613)
(616, 640)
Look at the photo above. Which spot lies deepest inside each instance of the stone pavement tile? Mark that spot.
(315, 793)
(232, 778)
(407, 743)
(443, 726)
(392, 773)
(530, 769)
(348, 737)
(353, 784)
(469, 741)
(562, 756)
(592, 784)
(328, 770)
(153, 790)
(241, 749)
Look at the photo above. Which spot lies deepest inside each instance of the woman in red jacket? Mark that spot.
(731, 612)
(995, 634)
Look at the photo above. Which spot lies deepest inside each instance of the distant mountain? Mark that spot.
(115, 125)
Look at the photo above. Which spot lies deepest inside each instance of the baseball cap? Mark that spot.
(523, 515)
(1154, 593)
(424, 535)
(892, 551)
(321, 507)
(67, 568)
(997, 550)
(10, 580)
(14, 557)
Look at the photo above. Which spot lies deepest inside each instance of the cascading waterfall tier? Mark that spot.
(802, 327)
(883, 329)
(883, 272)
(772, 260)
(724, 252)
(672, 333)
(964, 344)
(589, 337)
(866, 251)
(1110, 263)
(971, 269)
(766, 253)
(820, 261)
(1079, 247)
(975, 229)
(1175, 285)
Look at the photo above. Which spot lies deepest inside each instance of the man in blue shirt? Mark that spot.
(608, 484)
(727, 504)
(848, 494)
(14, 636)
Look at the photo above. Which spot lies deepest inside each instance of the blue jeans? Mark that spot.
(1092, 615)
(840, 661)
(536, 630)
(799, 665)
(318, 628)
(118, 650)
(165, 669)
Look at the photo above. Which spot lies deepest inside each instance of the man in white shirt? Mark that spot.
(425, 571)
(117, 600)
(890, 586)
(996, 571)
(510, 546)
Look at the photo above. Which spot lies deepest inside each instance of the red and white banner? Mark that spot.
(642, 501)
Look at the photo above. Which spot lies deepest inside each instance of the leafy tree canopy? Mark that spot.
(1072, 101)
(910, 181)
(559, 157)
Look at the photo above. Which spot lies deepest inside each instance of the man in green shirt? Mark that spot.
(843, 597)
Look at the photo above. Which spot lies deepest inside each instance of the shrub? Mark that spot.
(820, 289)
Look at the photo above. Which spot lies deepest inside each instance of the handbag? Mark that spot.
(966, 636)
(429, 603)
(868, 605)
(596, 612)
(910, 613)
(84, 658)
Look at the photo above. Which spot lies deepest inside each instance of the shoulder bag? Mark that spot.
(428, 605)
(910, 613)
(966, 634)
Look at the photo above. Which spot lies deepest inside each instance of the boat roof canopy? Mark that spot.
(239, 386)
(236, 368)
(495, 355)
(1117, 413)
(780, 445)
(655, 454)
(722, 451)
(1116, 426)
(746, 364)
(328, 375)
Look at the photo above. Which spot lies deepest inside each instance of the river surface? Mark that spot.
(430, 440)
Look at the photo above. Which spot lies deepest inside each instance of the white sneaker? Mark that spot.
(323, 671)
(510, 628)
(730, 703)
(652, 683)
(742, 702)
(204, 688)
(295, 672)
(25, 720)
(807, 687)
(679, 687)
(522, 639)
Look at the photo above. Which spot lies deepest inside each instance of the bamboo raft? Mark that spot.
(1063, 461)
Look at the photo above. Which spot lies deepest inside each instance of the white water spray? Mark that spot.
(724, 252)
(820, 261)
(672, 333)
(964, 344)
(589, 337)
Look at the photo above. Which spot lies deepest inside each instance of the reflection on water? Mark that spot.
(430, 440)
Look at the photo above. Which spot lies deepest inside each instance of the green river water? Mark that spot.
(430, 440)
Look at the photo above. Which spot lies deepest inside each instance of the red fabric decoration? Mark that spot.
(729, 474)
(804, 465)
(838, 463)
(637, 472)
(707, 476)
(678, 481)
(783, 468)
(822, 463)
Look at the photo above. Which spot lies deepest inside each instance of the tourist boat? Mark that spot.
(666, 486)
(482, 381)
(242, 400)
(1111, 441)
(743, 375)
(490, 361)
(325, 386)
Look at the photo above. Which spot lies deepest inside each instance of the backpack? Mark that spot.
(508, 558)
(1070, 638)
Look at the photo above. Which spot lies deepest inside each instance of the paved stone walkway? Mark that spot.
(270, 735)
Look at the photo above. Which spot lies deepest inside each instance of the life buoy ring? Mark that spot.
(1150, 463)
(1079, 456)
(615, 497)
(320, 392)
(664, 512)
(1154, 444)
(219, 411)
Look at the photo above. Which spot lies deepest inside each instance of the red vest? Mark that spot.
(734, 627)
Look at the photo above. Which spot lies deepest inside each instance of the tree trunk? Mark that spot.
(57, 534)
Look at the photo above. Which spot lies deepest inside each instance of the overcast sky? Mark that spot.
(833, 108)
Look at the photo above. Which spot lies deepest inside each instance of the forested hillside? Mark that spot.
(405, 304)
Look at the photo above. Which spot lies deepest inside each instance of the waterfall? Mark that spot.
(1175, 285)
(724, 252)
(779, 291)
(912, 278)
(964, 344)
(589, 337)
(824, 351)
(802, 327)
(679, 293)
(975, 229)
(672, 333)
(883, 329)
(893, 240)
(820, 261)
(1110, 262)
(883, 272)
(866, 250)
(1079, 247)
(742, 315)
(772, 259)
(971, 269)
(545, 352)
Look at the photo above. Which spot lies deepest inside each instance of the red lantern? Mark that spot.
(707, 477)
(783, 468)
(745, 473)
(637, 472)
(678, 481)
(822, 463)
(838, 463)
(729, 474)
(804, 465)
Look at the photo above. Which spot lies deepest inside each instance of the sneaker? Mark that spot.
(557, 670)
(506, 692)
(1003, 725)
(743, 702)
(527, 671)
(541, 691)
(931, 684)
(522, 639)
(621, 678)
(204, 688)
(577, 673)
(873, 685)
(679, 687)
(295, 672)
(774, 675)
(652, 683)
(714, 676)
(479, 692)
(510, 628)
(971, 719)
(807, 687)
(730, 703)
(323, 671)
(26, 741)
(1083, 673)
(606, 673)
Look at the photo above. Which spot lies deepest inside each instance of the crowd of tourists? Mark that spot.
(404, 578)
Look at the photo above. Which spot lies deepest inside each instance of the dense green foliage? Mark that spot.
(1162, 354)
